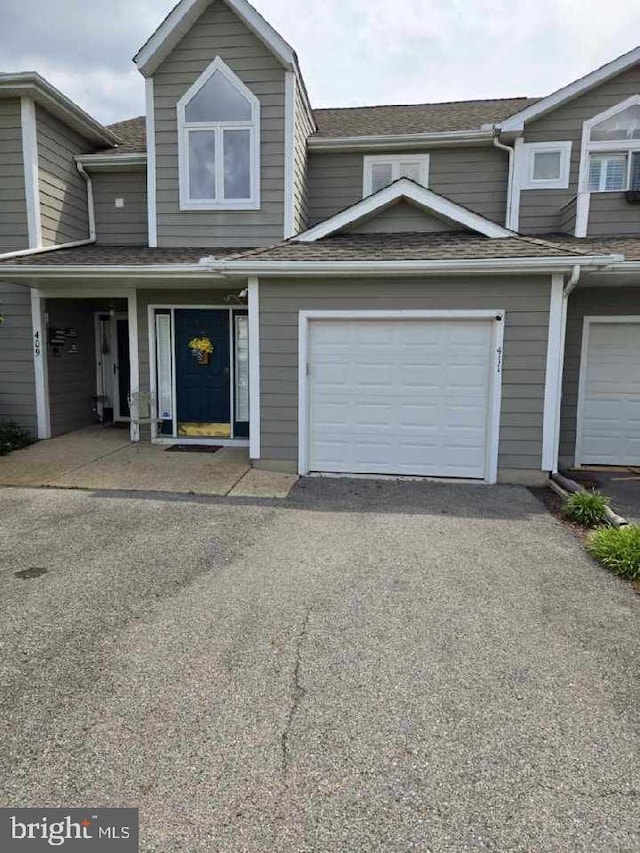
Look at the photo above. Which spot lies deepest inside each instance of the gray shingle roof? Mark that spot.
(624, 245)
(115, 255)
(133, 133)
(412, 246)
(415, 118)
(371, 121)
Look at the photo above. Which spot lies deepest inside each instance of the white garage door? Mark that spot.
(609, 416)
(399, 396)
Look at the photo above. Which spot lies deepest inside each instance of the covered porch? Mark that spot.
(149, 340)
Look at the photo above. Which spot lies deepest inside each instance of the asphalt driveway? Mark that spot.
(362, 666)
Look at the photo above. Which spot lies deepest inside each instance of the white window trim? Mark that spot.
(395, 160)
(253, 126)
(582, 375)
(607, 155)
(497, 359)
(530, 149)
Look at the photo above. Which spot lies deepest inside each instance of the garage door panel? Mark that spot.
(399, 397)
(610, 413)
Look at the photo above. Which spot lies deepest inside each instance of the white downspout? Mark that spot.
(39, 250)
(510, 151)
(90, 202)
(571, 284)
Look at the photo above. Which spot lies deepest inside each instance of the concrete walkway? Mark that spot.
(99, 458)
(362, 666)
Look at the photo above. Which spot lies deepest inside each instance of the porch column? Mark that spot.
(39, 326)
(254, 368)
(134, 356)
(554, 371)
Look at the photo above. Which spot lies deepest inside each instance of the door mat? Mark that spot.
(194, 448)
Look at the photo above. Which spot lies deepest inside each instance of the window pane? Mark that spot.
(635, 172)
(218, 100)
(615, 173)
(622, 125)
(546, 165)
(242, 367)
(381, 175)
(410, 170)
(595, 171)
(237, 164)
(202, 164)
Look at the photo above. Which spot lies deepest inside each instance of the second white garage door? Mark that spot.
(398, 396)
(608, 429)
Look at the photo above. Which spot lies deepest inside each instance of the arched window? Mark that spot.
(219, 143)
(611, 149)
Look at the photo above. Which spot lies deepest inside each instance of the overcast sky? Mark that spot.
(352, 52)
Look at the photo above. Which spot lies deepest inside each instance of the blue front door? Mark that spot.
(203, 393)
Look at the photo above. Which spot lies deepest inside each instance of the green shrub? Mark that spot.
(618, 549)
(13, 437)
(587, 508)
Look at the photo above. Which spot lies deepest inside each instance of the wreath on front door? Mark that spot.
(201, 349)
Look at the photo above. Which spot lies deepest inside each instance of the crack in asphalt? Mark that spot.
(298, 693)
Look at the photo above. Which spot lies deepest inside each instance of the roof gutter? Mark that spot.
(106, 162)
(401, 140)
(413, 267)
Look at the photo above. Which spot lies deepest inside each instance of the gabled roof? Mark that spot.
(180, 20)
(515, 123)
(404, 189)
(33, 85)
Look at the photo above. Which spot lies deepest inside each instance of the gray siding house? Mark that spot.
(443, 290)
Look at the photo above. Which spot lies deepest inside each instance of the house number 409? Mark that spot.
(36, 343)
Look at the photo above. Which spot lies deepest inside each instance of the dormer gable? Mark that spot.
(440, 213)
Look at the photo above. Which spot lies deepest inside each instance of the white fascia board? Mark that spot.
(517, 122)
(33, 85)
(194, 271)
(112, 162)
(423, 140)
(150, 130)
(495, 265)
(289, 153)
(185, 14)
(404, 188)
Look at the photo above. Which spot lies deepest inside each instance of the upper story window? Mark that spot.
(611, 149)
(546, 165)
(219, 143)
(381, 170)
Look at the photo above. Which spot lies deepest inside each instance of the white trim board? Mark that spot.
(423, 198)
(182, 17)
(40, 358)
(553, 374)
(289, 153)
(516, 123)
(134, 356)
(253, 288)
(587, 321)
(150, 121)
(497, 315)
(31, 171)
